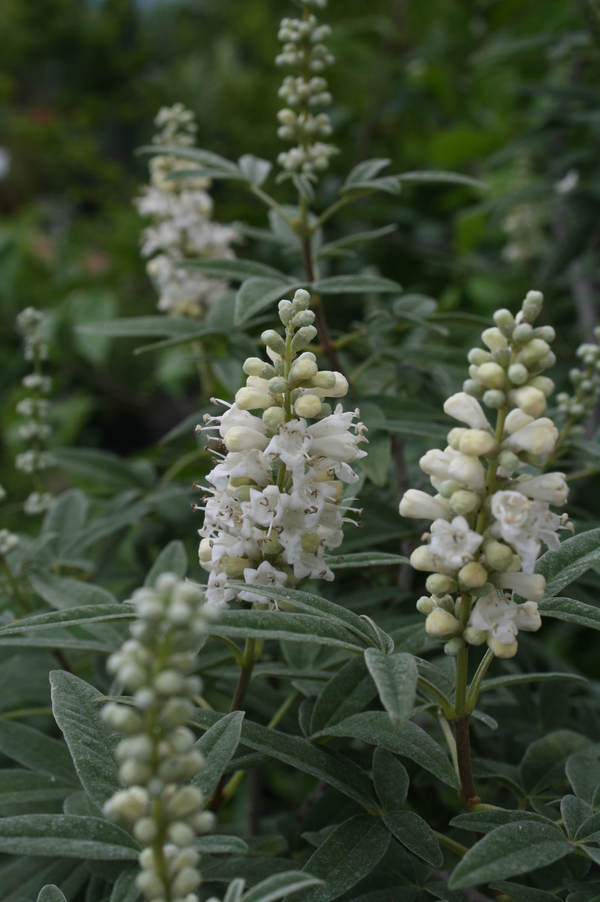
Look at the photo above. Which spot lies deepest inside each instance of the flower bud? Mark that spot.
(473, 575)
(301, 300)
(325, 379)
(308, 406)
(468, 471)
(448, 487)
(539, 437)
(186, 882)
(522, 333)
(533, 351)
(454, 646)
(516, 420)
(474, 388)
(497, 555)
(186, 801)
(181, 834)
(464, 502)
(494, 339)
(455, 435)
(285, 307)
(440, 624)
(253, 366)
(277, 386)
(474, 637)
(426, 605)
(504, 320)
(438, 584)
(518, 373)
(150, 885)
(478, 443)
(234, 567)
(252, 398)
(532, 306)
(544, 384)
(435, 463)
(492, 375)
(529, 399)
(501, 650)
(421, 506)
(145, 830)
(548, 361)
(529, 585)
(550, 487)
(303, 337)
(421, 559)
(241, 438)
(465, 409)
(304, 368)
(273, 417)
(273, 340)
(494, 398)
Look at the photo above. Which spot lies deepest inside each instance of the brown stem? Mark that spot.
(62, 660)
(242, 687)
(468, 792)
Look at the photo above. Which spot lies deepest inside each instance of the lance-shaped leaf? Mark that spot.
(509, 851)
(519, 893)
(279, 885)
(365, 559)
(347, 692)
(125, 887)
(66, 837)
(100, 613)
(50, 893)
(486, 821)
(37, 751)
(289, 626)
(515, 679)
(545, 758)
(217, 746)
(396, 679)
(356, 285)
(142, 327)
(575, 556)
(571, 611)
(234, 270)
(437, 177)
(256, 294)
(172, 559)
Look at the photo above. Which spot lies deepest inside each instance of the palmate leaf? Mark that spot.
(67, 837)
(336, 770)
(508, 851)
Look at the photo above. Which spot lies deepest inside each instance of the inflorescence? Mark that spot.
(304, 92)
(579, 406)
(275, 502)
(158, 759)
(489, 522)
(182, 227)
(35, 409)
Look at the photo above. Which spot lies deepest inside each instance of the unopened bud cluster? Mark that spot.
(34, 409)
(304, 93)
(182, 227)
(158, 758)
(586, 387)
(275, 502)
(489, 522)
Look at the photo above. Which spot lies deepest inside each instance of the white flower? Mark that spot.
(290, 445)
(502, 618)
(468, 471)
(538, 437)
(549, 487)
(420, 505)
(528, 585)
(217, 592)
(8, 541)
(453, 544)
(264, 575)
(466, 409)
(524, 524)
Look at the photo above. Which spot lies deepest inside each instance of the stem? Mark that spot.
(468, 792)
(439, 696)
(450, 740)
(451, 844)
(270, 202)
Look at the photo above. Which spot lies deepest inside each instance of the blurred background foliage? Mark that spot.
(503, 91)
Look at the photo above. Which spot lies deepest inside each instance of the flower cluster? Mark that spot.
(158, 754)
(275, 502)
(489, 522)
(34, 409)
(182, 228)
(586, 387)
(304, 92)
(8, 539)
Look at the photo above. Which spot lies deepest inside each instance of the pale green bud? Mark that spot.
(504, 320)
(254, 366)
(439, 584)
(518, 373)
(301, 300)
(286, 311)
(473, 636)
(135, 772)
(547, 333)
(273, 340)
(304, 368)
(494, 339)
(273, 417)
(441, 623)
(303, 337)
(308, 406)
(534, 350)
(502, 356)
(544, 384)
(186, 801)
(145, 830)
(532, 305)
(325, 379)
(477, 443)
(492, 375)
(242, 494)
(522, 333)
(477, 356)
(270, 546)
(304, 318)
(204, 822)
(498, 556)
(455, 435)
(508, 461)
(426, 605)
(494, 398)
(464, 502)
(474, 388)
(473, 575)
(278, 385)
(448, 487)
(454, 646)
(181, 834)
(149, 884)
(311, 543)
(236, 481)
(234, 567)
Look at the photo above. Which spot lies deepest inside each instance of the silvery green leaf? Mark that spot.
(254, 170)
(396, 679)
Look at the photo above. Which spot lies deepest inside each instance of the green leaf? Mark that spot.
(391, 781)
(336, 770)
(25, 876)
(571, 611)
(37, 752)
(486, 821)
(355, 285)
(388, 183)
(365, 559)
(256, 294)
(220, 845)
(218, 746)
(143, 327)
(125, 888)
(590, 828)
(254, 170)
(283, 625)
(432, 177)
(366, 171)
(514, 679)
(247, 868)
(205, 158)
(24, 786)
(385, 643)
(66, 518)
(234, 890)
(584, 776)
(544, 759)
(280, 885)
(354, 240)
(50, 893)
(67, 837)
(396, 679)
(408, 740)
(509, 851)
(576, 555)
(519, 893)
(416, 834)
(91, 743)
(235, 270)
(349, 854)
(575, 813)
(62, 592)
(100, 613)
(346, 693)
(101, 467)
(172, 559)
